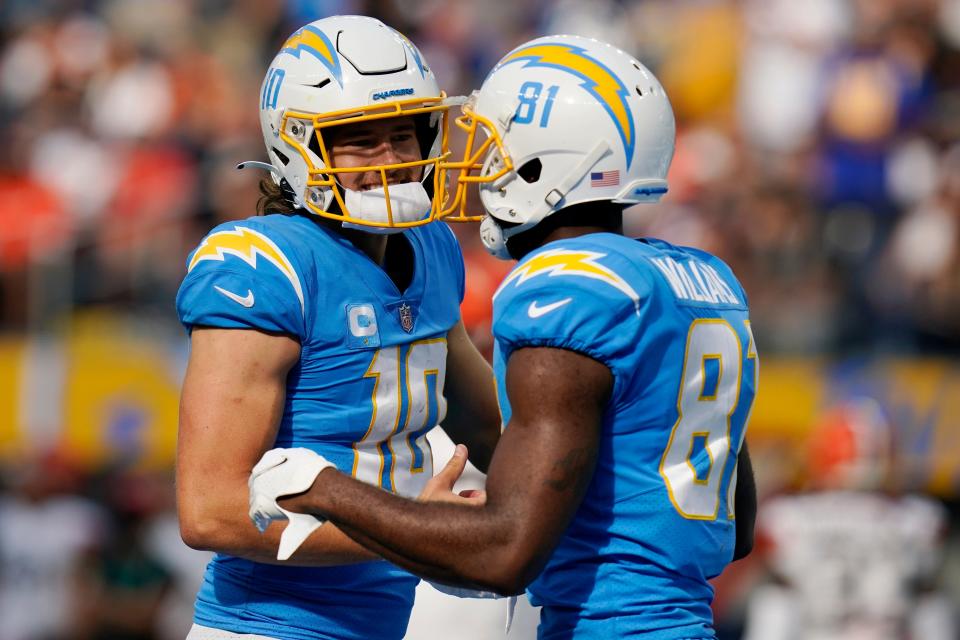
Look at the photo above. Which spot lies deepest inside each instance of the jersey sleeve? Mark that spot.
(240, 277)
(582, 314)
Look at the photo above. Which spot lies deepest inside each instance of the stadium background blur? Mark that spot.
(817, 153)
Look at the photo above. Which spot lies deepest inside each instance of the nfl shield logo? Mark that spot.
(406, 317)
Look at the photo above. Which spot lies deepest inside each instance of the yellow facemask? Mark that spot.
(294, 128)
(478, 165)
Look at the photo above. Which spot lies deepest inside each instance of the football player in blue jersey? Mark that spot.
(626, 372)
(331, 325)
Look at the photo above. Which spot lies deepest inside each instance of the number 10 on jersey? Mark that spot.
(407, 402)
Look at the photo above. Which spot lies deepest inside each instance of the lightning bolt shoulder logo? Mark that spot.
(316, 43)
(563, 262)
(246, 244)
(598, 80)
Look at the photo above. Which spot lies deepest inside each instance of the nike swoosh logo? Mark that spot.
(246, 301)
(535, 312)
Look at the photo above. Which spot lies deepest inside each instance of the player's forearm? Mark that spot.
(427, 571)
(327, 546)
(450, 543)
(230, 532)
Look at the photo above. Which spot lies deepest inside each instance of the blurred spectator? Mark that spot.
(125, 584)
(47, 532)
(915, 285)
(779, 92)
(852, 558)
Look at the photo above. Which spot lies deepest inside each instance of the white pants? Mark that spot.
(198, 632)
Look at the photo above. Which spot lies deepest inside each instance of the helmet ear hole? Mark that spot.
(530, 171)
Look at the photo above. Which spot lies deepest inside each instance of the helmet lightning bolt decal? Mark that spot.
(246, 244)
(316, 43)
(598, 80)
(562, 262)
(413, 51)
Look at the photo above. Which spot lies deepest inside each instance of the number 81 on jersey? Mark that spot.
(696, 463)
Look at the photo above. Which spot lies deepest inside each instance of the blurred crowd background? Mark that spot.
(818, 153)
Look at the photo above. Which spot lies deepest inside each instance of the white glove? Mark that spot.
(462, 592)
(279, 473)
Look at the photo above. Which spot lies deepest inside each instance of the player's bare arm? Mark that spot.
(232, 400)
(745, 504)
(473, 417)
(549, 448)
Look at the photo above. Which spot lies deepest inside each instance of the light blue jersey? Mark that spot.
(368, 387)
(657, 520)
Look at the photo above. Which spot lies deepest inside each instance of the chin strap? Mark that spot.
(575, 175)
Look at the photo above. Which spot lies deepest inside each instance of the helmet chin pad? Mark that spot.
(491, 234)
(384, 207)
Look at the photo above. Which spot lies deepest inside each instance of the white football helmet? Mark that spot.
(562, 120)
(346, 70)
